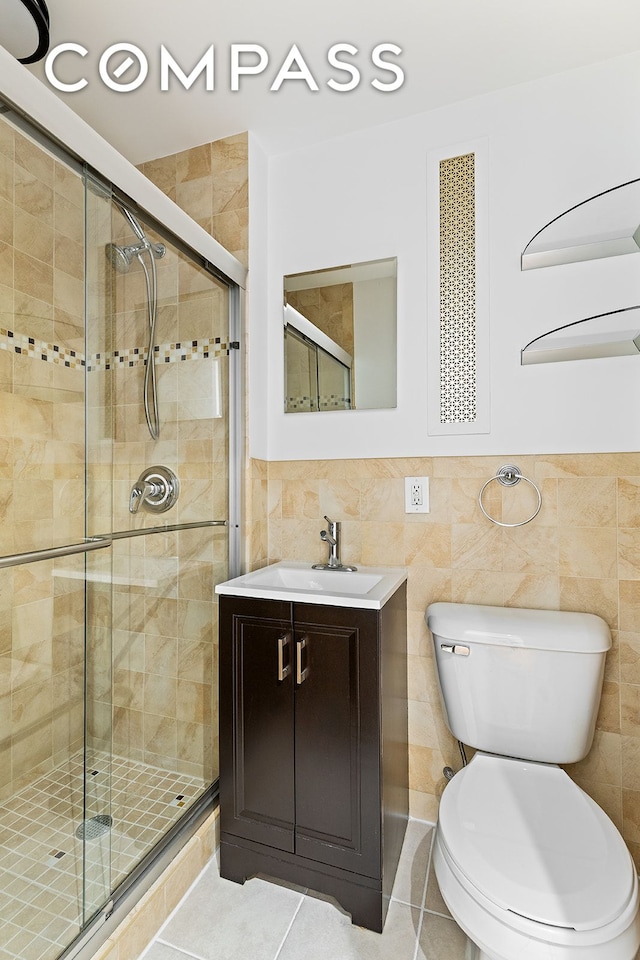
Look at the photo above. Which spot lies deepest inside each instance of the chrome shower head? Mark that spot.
(119, 257)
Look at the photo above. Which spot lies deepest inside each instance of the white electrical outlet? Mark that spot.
(416, 494)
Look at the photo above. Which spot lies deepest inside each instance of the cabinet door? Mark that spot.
(256, 721)
(337, 763)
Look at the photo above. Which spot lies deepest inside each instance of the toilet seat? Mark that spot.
(528, 840)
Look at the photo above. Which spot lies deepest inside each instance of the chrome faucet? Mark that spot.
(332, 537)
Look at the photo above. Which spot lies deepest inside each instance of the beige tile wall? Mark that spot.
(582, 552)
(210, 183)
(41, 457)
(330, 308)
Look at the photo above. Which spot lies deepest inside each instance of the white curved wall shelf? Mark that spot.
(605, 225)
(614, 334)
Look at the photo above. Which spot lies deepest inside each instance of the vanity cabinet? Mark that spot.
(313, 746)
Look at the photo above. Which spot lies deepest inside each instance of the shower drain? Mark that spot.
(94, 827)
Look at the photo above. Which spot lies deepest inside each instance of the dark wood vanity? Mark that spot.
(313, 747)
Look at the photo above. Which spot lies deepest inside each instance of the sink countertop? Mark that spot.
(367, 588)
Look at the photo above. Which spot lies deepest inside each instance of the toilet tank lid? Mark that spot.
(557, 630)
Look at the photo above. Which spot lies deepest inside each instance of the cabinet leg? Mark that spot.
(367, 908)
(230, 869)
(367, 905)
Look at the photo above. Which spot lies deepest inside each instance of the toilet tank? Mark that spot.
(520, 683)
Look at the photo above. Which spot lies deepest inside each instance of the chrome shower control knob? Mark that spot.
(156, 490)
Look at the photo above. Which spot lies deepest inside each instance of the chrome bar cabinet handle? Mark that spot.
(284, 669)
(301, 675)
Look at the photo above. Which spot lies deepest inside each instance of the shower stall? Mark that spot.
(118, 514)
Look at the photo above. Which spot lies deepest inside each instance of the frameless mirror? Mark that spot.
(340, 338)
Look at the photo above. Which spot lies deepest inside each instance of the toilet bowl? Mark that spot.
(531, 868)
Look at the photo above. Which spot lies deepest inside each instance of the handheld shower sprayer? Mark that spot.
(121, 258)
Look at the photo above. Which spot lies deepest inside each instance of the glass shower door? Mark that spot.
(47, 889)
(156, 305)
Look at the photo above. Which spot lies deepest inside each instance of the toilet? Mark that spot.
(529, 865)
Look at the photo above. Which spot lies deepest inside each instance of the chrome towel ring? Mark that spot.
(508, 476)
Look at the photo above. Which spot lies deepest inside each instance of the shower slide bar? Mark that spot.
(99, 543)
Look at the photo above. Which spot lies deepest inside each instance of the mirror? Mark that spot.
(340, 338)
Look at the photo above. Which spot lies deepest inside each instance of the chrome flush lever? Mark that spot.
(458, 648)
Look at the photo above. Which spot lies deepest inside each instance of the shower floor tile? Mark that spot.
(51, 878)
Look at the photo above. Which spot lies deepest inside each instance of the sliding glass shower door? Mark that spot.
(159, 302)
(108, 619)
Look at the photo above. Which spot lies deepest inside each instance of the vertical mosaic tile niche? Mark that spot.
(458, 382)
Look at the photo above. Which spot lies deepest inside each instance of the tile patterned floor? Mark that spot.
(261, 920)
(43, 888)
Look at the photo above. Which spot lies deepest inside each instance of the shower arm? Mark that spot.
(133, 222)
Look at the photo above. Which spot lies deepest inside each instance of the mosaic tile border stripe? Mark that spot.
(133, 357)
(39, 350)
(163, 353)
(309, 404)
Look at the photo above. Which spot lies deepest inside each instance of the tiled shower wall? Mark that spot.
(41, 456)
(582, 552)
(211, 184)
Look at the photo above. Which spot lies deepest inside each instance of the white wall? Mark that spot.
(551, 144)
(374, 339)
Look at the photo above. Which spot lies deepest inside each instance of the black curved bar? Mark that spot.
(40, 13)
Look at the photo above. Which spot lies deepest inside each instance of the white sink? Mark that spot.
(334, 581)
(288, 580)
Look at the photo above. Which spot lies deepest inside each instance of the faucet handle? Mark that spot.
(156, 490)
(334, 528)
(139, 492)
